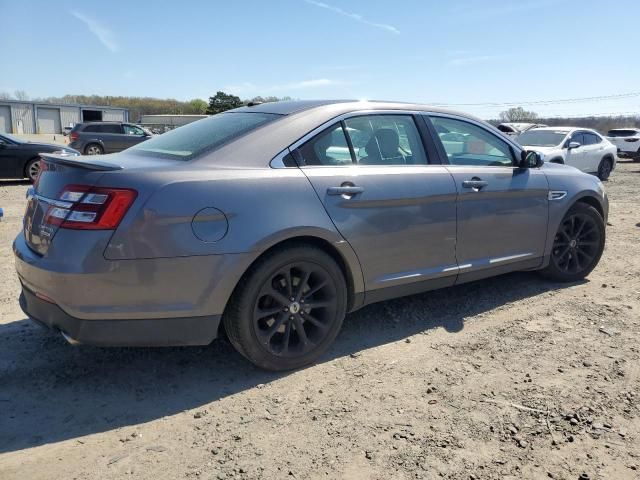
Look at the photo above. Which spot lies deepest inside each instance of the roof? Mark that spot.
(296, 106)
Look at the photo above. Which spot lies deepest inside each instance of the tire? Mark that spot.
(264, 324)
(93, 149)
(578, 244)
(604, 169)
(32, 169)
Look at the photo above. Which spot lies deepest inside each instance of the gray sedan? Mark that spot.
(273, 221)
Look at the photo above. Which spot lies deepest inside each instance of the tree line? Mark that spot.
(139, 106)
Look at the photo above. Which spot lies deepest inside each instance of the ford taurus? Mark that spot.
(274, 221)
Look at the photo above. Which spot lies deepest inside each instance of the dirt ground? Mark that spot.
(509, 378)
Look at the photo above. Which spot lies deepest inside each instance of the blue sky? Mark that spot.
(455, 52)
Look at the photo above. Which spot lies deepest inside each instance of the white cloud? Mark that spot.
(106, 36)
(354, 16)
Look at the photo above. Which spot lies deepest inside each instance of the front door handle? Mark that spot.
(345, 190)
(475, 183)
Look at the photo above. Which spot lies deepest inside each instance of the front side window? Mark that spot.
(469, 144)
(386, 140)
(133, 130)
(577, 137)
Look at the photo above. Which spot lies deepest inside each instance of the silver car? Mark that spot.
(273, 221)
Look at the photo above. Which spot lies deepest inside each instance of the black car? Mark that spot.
(96, 138)
(20, 158)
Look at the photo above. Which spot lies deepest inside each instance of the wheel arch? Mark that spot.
(592, 201)
(339, 251)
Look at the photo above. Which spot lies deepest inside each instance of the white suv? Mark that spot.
(582, 148)
(627, 140)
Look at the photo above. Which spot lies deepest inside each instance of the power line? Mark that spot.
(542, 102)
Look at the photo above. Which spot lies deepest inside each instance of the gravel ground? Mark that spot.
(508, 378)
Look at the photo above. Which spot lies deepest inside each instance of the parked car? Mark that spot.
(96, 138)
(516, 128)
(20, 158)
(246, 221)
(627, 141)
(582, 148)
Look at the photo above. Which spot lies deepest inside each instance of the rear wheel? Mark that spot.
(32, 169)
(604, 169)
(288, 308)
(578, 244)
(93, 149)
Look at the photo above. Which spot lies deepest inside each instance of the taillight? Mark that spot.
(82, 207)
(73, 136)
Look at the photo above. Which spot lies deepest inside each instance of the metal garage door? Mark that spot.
(48, 120)
(5, 119)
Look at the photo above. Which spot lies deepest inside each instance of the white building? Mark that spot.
(20, 117)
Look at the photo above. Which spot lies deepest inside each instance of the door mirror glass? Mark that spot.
(573, 145)
(530, 159)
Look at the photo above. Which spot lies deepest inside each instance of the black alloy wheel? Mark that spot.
(288, 308)
(577, 245)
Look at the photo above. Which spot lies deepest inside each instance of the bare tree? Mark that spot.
(518, 114)
(5, 96)
(21, 95)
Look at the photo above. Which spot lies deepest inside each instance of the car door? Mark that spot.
(11, 159)
(594, 151)
(395, 209)
(502, 210)
(576, 156)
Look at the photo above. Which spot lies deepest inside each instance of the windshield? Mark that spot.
(541, 138)
(11, 138)
(622, 133)
(204, 135)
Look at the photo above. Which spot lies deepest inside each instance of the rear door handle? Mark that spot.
(346, 190)
(476, 184)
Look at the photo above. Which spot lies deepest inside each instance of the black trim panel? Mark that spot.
(157, 332)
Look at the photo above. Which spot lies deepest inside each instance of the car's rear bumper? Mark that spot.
(159, 332)
(142, 302)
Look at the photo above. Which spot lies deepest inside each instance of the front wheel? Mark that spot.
(288, 308)
(578, 244)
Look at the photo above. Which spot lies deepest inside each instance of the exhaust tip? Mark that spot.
(70, 341)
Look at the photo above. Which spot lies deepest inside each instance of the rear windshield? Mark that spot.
(207, 134)
(622, 133)
(541, 138)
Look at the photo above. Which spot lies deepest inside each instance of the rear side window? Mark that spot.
(204, 135)
(469, 144)
(329, 147)
(386, 140)
(107, 128)
(591, 139)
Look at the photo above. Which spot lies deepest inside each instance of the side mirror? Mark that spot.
(573, 145)
(530, 159)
